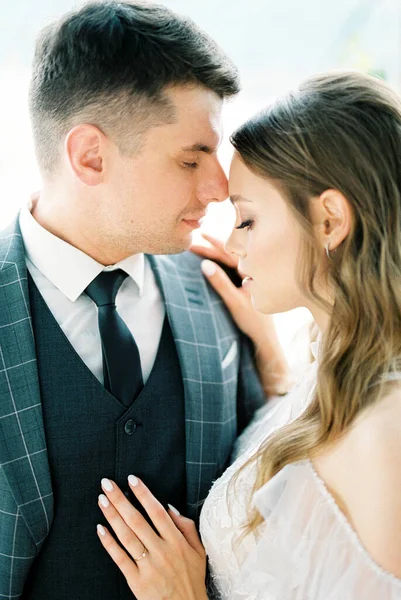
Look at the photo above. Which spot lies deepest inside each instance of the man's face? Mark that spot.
(157, 197)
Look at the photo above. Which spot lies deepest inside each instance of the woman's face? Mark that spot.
(267, 238)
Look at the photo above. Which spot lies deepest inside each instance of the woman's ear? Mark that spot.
(332, 218)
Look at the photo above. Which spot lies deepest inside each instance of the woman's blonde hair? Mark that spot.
(337, 131)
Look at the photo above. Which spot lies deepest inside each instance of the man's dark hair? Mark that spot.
(109, 63)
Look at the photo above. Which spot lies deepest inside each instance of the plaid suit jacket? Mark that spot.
(221, 393)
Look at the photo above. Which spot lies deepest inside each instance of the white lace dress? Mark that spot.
(305, 549)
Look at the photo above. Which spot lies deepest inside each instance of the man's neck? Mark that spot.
(60, 222)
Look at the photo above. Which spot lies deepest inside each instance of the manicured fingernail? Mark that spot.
(101, 530)
(103, 501)
(107, 485)
(174, 510)
(132, 480)
(208, 268)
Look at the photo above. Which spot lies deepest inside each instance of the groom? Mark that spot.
(115, 359)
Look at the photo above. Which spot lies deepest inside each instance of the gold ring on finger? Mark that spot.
(143, 555)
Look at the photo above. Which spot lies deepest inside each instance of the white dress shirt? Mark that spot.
(62, 272)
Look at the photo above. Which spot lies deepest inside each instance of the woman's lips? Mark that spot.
(247, 281)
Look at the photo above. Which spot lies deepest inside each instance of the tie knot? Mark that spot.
(103, 289)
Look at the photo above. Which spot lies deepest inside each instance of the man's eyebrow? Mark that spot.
(199, 148)
(238, 198)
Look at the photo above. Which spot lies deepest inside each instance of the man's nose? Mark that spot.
(214, 188)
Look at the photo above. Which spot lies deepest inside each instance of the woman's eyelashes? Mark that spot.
(245, 224)
(190, 165)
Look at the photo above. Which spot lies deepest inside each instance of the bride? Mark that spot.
(310, 508)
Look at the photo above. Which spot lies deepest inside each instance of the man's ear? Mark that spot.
(84, 147)
(332, 218)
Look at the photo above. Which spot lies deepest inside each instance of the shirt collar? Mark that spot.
(67, 267)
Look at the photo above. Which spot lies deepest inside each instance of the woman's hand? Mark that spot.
(170, 564)
(271, 362)
(237, 299)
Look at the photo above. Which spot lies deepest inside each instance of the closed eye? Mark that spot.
(190, 165)
(245, 224)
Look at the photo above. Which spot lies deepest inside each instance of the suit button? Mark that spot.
(130, 427)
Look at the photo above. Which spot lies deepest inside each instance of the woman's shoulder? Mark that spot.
(363, 473)
(375, 439)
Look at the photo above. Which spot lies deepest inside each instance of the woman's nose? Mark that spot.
(233, 245)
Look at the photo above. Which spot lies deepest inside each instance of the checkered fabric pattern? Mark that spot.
(221, 393)
(25, 490)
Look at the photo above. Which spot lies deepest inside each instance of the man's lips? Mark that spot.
(194, 223)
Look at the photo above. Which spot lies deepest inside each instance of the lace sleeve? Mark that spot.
(306, 549)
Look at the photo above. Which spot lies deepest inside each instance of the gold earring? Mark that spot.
(327, 248)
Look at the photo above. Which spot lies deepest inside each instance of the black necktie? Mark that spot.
(121, 362)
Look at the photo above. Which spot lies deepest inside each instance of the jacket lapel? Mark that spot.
(190, 315)
(23, 454)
